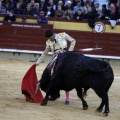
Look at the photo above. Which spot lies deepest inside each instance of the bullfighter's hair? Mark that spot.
(49, 33)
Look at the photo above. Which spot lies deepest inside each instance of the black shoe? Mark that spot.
(67, 102)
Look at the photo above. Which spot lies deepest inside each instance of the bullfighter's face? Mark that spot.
(52, 38)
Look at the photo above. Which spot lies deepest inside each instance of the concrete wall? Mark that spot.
(33, 57)
(22, 56)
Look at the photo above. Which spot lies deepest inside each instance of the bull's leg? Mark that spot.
(106, 101)
(45, 100)
(100, 108)
(103, 94)
(80, 95)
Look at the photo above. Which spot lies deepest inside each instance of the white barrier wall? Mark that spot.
(32, 57)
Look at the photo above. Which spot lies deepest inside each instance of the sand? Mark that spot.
(14, 107)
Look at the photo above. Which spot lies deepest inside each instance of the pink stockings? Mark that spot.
(67, 96)
(67, 102)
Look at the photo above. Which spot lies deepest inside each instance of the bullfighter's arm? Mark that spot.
(71, 40)
(42, 57)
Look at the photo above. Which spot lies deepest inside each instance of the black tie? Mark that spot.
(55, 41)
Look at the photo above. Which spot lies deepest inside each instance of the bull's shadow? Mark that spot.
(74, 70)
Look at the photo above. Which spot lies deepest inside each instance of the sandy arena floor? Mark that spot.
(14, 107)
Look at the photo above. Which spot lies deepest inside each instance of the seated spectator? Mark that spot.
(113, 12)
(10, 17)
(59, 12)
(79, 15)
(28, 11)
(2, 8)
(68, 14)
(60, 2)
(78, 6)
(85, 7)
(42, 18)
(68, 5)
(52, 4)
(42, 5)
(32, 7)
(118, 9)
(105, 13)
(22, 4)
(18, 9)
(87, 4)
(112, 8)
(97, 7)
(49, 11)
(91, 2)
(11, 4)
(7, 8)
(36, 11)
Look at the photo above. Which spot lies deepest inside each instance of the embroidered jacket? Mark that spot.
(59, 44)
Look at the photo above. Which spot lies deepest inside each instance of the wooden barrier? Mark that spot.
(23, 36)
(110, 43)
(28, 36)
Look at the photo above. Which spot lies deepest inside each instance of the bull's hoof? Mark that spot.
(105, 114)
(85, 107)
(44, 102)
(99, 110)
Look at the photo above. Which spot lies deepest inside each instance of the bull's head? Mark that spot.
(45, 80)
(44, 84)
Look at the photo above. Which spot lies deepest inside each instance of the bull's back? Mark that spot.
(78, 70)
(93, 73)
(97, 80)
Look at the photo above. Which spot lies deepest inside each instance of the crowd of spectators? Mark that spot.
(68, 9)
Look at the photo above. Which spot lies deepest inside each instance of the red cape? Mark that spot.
(28, 85)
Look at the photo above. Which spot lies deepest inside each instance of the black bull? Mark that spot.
(74, 70)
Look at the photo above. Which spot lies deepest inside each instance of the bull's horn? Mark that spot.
(37, 88)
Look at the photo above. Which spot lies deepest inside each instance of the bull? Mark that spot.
(75, 70)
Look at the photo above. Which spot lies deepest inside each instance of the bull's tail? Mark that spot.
(37, 88)
(111, 78)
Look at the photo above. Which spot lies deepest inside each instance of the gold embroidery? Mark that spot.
(61, 34)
